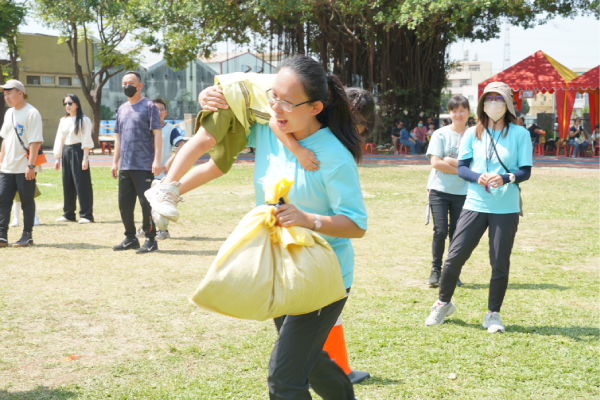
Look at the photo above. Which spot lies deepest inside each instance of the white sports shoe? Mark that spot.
(61, 219)
(140, 233)
(164, 198)
(162, 235)
(15, 222)
(84, 221)
(439, 313)
(492, 322)
(161, 222)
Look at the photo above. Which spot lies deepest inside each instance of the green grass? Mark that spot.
(129, 319)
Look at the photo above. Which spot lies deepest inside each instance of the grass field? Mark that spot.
(79, 321)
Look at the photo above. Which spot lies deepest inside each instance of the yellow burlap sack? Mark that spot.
(265, 271)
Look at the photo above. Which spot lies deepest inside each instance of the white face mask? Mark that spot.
(495, 109)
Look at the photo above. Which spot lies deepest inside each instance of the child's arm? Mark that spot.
(307, 158)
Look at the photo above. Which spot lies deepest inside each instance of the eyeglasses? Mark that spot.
(68, 103)
(159, 110)
(284, 105)
(492, 98)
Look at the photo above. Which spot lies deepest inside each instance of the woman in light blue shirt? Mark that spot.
(446, 190)
(499, 154)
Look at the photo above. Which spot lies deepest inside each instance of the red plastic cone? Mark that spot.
(335, 346)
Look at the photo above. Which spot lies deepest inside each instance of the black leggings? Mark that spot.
(445, 210)
(471, 227)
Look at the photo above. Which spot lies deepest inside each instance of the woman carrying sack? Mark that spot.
(499, 153)
(72, 144)
(446, 190)
(314, 108)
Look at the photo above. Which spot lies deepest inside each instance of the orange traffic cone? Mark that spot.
(335, 346)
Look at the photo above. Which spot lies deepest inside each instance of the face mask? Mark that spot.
(494, 109)
(420, 125)
(129, 90)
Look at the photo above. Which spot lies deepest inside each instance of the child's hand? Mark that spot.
(307, 159)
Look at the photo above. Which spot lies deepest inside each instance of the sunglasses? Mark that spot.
(492, 98)
(68, 103)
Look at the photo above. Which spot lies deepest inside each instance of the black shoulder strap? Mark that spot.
(496, 151)
(16, 132)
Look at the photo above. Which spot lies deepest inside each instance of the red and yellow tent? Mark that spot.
(587, 83)
(539, 73)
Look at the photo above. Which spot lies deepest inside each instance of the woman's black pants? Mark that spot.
(298, 358)
(469, 230)
(445, 210)
(77, 183)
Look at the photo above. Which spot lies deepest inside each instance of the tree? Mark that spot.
(77, 21)
(12, 14)
(524, 107)
(397, 49)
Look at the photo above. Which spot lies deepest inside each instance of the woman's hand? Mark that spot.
(211, 99)
(85, 164)
(288, 215)
(495, 180)
(483, 179)
(57, 164)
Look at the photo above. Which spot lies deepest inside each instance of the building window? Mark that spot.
(465, 82)
(33, 79)
(75, 81)
(47, 80)
(471, 98)
(64, 81)
(474, 67)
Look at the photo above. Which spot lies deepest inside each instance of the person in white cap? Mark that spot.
(499, 154)
(22, 129)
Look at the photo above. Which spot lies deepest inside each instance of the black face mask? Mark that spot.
(129, 90)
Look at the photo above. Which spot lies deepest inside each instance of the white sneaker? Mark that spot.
(439, 313)
(164, 198)
(84, 221)
(15, 222)
(62, 219)
(492, 322)
(162, 235)
(161, 222)
(140, 233)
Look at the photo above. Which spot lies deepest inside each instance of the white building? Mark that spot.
(465, 78)
(226, 63)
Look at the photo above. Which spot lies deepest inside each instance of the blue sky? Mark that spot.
(574, 43)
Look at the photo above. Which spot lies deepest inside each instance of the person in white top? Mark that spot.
(72, 144)
(171, 137)
(22, 129)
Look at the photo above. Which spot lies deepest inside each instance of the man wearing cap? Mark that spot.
(22, 129)
(138, 147)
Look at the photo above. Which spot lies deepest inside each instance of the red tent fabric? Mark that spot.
(540, 73)
(588, 83)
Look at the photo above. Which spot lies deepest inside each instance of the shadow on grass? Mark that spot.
(40, 392)
(375, 380)
(190, 252)
(517, 286)
(200, 239)
(74, 246)
(577, 333)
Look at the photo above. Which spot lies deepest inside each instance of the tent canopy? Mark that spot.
(538, 72)
(588, 82)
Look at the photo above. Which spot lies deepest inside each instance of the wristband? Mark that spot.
(318, 223)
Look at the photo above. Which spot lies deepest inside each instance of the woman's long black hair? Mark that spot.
(337, 113)
(79, 117)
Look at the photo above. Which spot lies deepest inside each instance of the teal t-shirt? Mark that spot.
(444, 143)
(515, 150)
(332, 190)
